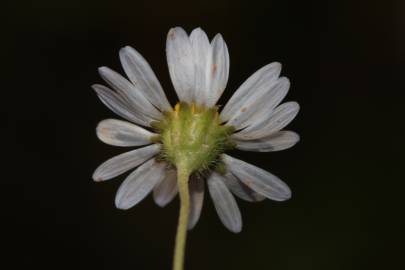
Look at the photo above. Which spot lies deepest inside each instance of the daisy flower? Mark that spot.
(181, 148)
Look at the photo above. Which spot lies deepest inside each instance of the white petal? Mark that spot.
(143, 78)
(124, 162)
(202, 56)
(196, 188)
(224, 203)
(276, 142)
(181, 64)
(166, 190)
(118, 105)
(259, 104)
(260, 81)
(219, 71)
(133, 96)
(275, 121)
(241, 190)
(121, 133)
(258, 179)
(139, 183)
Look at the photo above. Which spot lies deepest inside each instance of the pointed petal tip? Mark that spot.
(160, 204)
(198, 30)
(298, 137)
(284, 80)
(106, 72)
(191, 226)
(126, 50)
(99, 88)
(175, 28)
(218, 38)
(120, 205)
(237, 229)
(295, 104)
(173, 31)
(103, 70)
(96, 177)
(123, 50)
(127, 47)
(120, 202)
(218, 35)
(285, 196)
(159, 200)
(95, 87)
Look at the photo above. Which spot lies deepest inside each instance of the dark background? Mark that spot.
(346, 61)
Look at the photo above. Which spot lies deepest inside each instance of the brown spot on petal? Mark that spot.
(243, 109)
(214, 70)
(248, 182)
(171, 34)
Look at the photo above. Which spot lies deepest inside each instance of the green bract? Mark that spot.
(193, 137)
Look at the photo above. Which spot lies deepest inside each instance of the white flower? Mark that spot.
(199, 71)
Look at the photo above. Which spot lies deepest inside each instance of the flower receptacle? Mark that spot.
(193, 136)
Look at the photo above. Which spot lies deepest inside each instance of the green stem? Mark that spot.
(181, 236)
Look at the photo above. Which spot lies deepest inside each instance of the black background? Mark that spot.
(346, 61)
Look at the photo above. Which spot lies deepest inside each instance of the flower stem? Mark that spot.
(181, 236)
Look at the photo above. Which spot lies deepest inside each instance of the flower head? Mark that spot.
(194, 135)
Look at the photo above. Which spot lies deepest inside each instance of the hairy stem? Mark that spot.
(181, 236)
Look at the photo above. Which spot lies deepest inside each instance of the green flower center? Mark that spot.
(193, 136)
